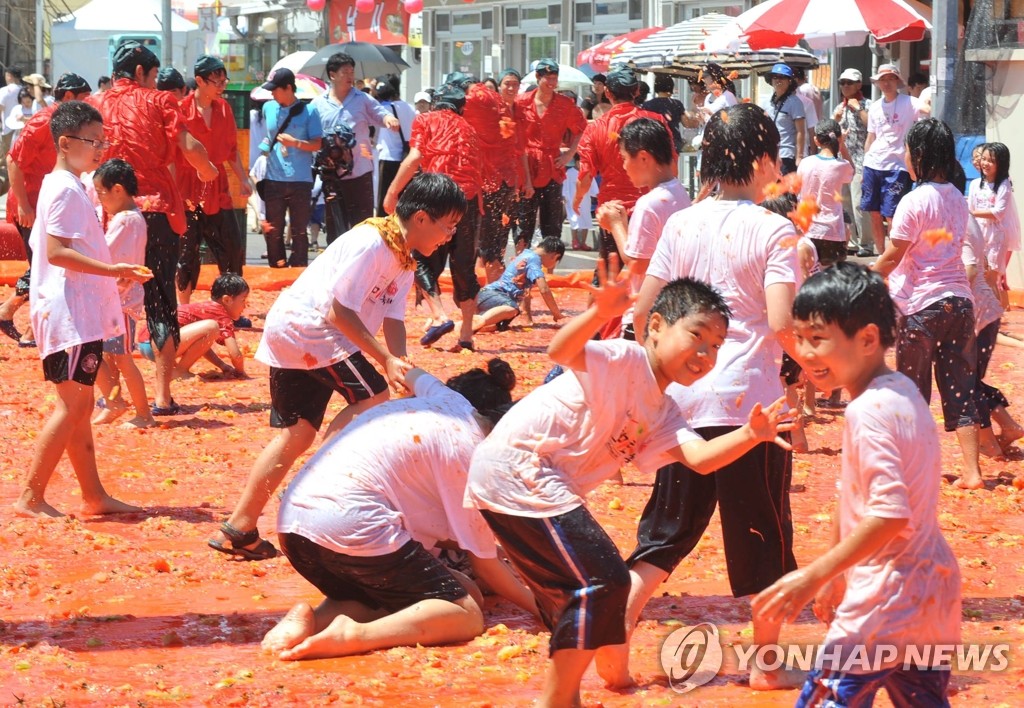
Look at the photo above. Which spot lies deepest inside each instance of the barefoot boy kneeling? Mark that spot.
(890, 579)
(75, 307)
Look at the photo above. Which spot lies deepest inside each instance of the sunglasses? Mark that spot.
(848, 83)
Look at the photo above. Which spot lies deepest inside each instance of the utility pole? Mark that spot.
(945, 48)
(167, 37)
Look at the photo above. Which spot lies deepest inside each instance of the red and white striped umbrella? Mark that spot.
(599, 57)
(825, 24)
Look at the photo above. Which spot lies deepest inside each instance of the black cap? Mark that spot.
(169, 79)
(70, 83)
(622, 78)
(280, 78)
(546, 66)
(130, 54)
(207, 64)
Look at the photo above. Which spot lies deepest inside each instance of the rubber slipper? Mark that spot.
(27, 345)
(436, 332)
(173, 409)
(463, 344)
(264, 550)
(8, 328)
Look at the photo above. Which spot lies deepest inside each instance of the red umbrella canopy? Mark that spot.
(599, 56)
(828, 23)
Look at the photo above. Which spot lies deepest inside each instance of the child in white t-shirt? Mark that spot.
(649, 160)
(890, 579)
(580, 223)
(320, 335)
(929, 285)
(74, 307)
(990, 200)
(531, 475)
(823, 177)
(361, 518)
(115, 188)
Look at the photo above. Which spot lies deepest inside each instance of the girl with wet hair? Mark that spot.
(823, 177)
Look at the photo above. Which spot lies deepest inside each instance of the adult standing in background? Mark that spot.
(597, 103)
(852, 116)
(551, 120)
(294, 130)
(392, 146)
(102, 84)
(813, 107)
(146, 129)
(787, 112)
(344, 103)
(671, 109)
(8, 100)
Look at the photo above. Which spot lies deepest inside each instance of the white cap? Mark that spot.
(851, 75)
(421, 96)
(888, 70)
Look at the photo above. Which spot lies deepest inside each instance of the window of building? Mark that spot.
(617, 7)
(442, 22)
(511, 17)
(584, 12)
(467, 19)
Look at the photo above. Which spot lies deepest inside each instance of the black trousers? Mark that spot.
(548, 201)
(348, 202)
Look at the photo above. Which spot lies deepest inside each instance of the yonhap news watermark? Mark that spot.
(693, 656)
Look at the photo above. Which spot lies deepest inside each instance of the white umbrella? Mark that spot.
(569, 79)
(661, 48)
(294, 61)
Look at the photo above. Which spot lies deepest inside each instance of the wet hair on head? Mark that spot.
(435, 194)
(687, 296)
(230, 284)
(958, 178)
(663, 83)
(552, 244)
(1001, 155)
(782, 204)
(70, 117)
(492, 82)
(650, 135)
(489, 392)
(827, 133)
(735, 140)
(932, 149)
(849, 296)
(117, 171)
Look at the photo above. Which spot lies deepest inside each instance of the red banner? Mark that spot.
(387, 23)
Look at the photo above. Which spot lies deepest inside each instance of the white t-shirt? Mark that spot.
(987, 308)
(8, 100)
(907, 592)
(890, 123)
(931, 269)
(70, 307)
(646, 223)
(567, 436)
(397, 472)
(361, 273)
(126, 239)
(1001, 234)
(810, 111)
(740, 249)
(713, 105)
(823, 178)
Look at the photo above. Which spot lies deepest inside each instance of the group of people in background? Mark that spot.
(692, 330)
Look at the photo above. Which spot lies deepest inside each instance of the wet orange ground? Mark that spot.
(137, 611)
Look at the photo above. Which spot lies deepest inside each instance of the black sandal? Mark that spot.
(264, 550)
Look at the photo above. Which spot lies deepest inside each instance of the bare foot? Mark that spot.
(338, 639)
(37, 510)
(108, 505)
(139, 422)
(612, 664)
(296, 625)
(1008, 436)
(969, 481)
(181, 374)
(778, 680)
(112, 410)
(988, 445)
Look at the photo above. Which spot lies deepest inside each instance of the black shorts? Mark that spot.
(161, 298)
(304, 394)
(220, 233)
(757, 524)
(390, 582)
(790, 371)
(78, 363)
(575, 572)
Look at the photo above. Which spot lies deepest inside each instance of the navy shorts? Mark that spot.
(917, 688)
(392, 581)
(304, 394)
(78, 363)
(125, 343)
(882, 190)
(488, 298)
(575, 572)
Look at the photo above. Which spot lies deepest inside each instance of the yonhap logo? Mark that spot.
(691, 656)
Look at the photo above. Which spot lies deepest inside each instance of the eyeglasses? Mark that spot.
(216, 82)
(450, 230)
(97, 144)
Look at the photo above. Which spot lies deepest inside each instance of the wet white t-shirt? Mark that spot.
(646, 223)
(1002, 233)
(740, 249)
(987, 308)
(69, 307)
(907, 592)
(126, 238)
(932, 268)
(360, 272)
(395, 473)
(823, 178)
(567, 436)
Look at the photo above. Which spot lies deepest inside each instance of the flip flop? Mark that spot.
(27, 345)
(8, 328)
(264, 550)
(173, 409)
(436, 332)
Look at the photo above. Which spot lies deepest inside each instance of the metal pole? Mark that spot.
(40, 15)
(945, 21)
(167, 37)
